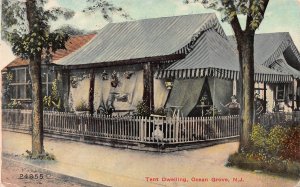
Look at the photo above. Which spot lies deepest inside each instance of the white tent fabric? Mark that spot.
(185, 93)
(160, 93)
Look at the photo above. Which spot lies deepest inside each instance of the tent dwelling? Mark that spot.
(209, 74)
(18, 88)
(182, 62)
(115, 70)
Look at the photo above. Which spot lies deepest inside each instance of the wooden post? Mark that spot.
(63, 78)
(294, 93)
(148, 95)
(234, 91)
(91, 91)
(265, 98)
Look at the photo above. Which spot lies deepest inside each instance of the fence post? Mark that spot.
(141, 122)
(176, 128)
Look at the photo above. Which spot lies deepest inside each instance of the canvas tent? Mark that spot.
(216, 57)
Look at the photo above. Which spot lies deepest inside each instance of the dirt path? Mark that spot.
(123, 167)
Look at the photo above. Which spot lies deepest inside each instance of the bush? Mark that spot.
(276, 150)
(258, 136)
(291, 144)
(275, 165)
(142, 109)
(274, 140)
(15, 105)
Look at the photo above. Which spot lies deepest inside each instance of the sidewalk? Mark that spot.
(123, 167)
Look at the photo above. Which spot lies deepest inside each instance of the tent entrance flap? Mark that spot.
(185, 93)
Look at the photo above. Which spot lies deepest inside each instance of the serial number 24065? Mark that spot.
(31, 176)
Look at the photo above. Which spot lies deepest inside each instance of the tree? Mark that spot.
(254, 11)
(27, 29)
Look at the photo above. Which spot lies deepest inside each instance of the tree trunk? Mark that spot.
(37, 102)
(35, 75)
(246, 59)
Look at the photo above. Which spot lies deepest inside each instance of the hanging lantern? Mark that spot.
(104, 75)
(169, 84)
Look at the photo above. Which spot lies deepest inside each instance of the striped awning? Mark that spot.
(214, 56)
(221, 74)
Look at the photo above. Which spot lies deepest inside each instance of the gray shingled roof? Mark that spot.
(269, 48)
(216, 56)
(143, 38)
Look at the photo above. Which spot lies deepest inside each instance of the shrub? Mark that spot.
(142, 109)
(291, 144)
(274, 140)
(15, 105)
(258, 136)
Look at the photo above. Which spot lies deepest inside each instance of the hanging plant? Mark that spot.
(115, 80)
(104, 75)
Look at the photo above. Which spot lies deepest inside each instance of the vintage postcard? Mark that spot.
(150, 93)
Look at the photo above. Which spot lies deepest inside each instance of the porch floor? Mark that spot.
(124, 167)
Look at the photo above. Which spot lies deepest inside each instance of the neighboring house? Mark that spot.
(20, 84)
(185, 62)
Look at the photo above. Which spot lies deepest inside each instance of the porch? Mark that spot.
(163, 134)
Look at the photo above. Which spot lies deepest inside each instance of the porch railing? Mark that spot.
(138, 129)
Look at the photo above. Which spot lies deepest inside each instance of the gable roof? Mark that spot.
(143, 39)
(216, 56)
(73, 44)
(269, 46)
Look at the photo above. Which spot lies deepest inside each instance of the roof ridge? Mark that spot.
(145, 19)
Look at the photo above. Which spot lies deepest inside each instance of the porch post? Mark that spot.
(234, 87)
(148, 95)
(294, 93)
(63, 78)
(265, 98)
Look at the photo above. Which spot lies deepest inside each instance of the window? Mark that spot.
(20, 84)
(48, 77)
(280, 92)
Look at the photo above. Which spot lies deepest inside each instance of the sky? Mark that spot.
(281, 16)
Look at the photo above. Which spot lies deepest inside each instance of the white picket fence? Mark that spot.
(130, 128)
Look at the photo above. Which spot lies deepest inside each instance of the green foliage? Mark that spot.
(253, 161)
(46, 156)
(7, 89)
(230, 9)
(291, 144)
(258, 136)
(15, 105)
(274, 140)
(142, 109)
(53, 101)
(82, 106)
(276, 150)
(106, 9)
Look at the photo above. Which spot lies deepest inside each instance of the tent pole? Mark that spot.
(214, 90)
